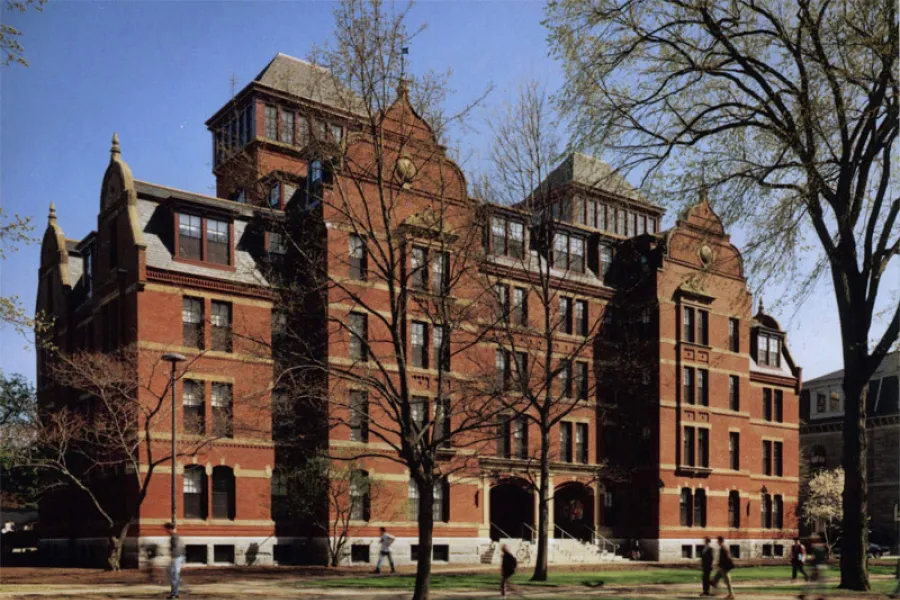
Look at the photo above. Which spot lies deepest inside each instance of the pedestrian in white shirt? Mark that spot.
(386, 541)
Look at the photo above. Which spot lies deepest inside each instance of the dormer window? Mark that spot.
(275, 195)
(204, 239)
(568, 252)
(337, 133)
(277, 243)
(239, 195)
(768, 349)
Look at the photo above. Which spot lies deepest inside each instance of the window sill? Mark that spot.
(695, 344)
(691, 470)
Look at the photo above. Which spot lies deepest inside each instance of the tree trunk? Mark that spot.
(426, 540)
(115, 545)
(540, 564)
(855, 526)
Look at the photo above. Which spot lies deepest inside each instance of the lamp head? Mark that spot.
(173, 357)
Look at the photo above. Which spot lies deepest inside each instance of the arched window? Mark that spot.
(360, 503)
(279, 492)
(700, 508)
(765, 507)
(194, 492)
(223, 506)
(734, 509)
(778, 512)
(687, 507)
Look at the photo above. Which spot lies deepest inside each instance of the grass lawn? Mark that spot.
(879, 586)
(648, 576)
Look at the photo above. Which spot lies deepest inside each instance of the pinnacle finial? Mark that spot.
(52, 215)
(115, 144)
(403, 88)
(761, 308)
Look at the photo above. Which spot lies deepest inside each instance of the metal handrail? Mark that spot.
(566, 533)
(602, 541)
(506, 535)
(533, 532)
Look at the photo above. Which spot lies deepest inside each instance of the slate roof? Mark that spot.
(593, 172)
(306, 80)
(156, 226)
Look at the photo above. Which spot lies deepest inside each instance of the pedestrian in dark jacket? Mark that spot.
(798, 557)
(725, 566)
(706, 564)
(176, 558)
(508, 564)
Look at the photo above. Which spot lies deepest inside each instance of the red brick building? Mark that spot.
(706, 429)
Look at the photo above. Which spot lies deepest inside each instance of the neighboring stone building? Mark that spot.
(704, 427)
(821, 438)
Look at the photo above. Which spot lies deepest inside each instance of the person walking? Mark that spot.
(798, 558)
(508, 564)
(176, 558)
(706, 564)
(725, 565)
(816, 581)
(386, 541)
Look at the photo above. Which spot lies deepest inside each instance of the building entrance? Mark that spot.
(573, 511)
(512, 509)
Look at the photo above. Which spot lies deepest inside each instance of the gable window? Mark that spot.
(507, 237)
(419, 347)
(734, 450)
(192, 322)
(217, 241)
(565, 441)
(561, 251)
(277, 243)
(734, 335)
(576, 258)
(222, 410)
(358, 262)
(359, 416)
(193, 407)
(221, 325)
(440, 271)
(581, 317)
(734, 392)
(687, 328)
(190, 236)
(568, 252)
(271, 122)
(359, 336)
(581, 442)
(768, 349)
(417, 260)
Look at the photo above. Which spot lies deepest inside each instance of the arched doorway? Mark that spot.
(512, 508)
(573, 511)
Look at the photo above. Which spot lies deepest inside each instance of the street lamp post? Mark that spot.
(174, 358)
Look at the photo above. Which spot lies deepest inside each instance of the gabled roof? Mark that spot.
(839, 374)
(305, 80)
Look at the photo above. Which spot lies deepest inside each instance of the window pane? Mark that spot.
(561, 251)
(287, 127)
(516, 239)
(271, 122)
(577, 254)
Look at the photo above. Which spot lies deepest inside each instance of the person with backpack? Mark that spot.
(798, 558)
(726, 564)
(508, 564)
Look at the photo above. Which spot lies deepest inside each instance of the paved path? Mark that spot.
(283, 589)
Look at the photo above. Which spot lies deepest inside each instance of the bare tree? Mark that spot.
(545, 367)
(100, 436)
(792, 110)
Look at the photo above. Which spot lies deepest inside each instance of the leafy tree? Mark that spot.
(18, 409)
(822, 508)
(15, 231)
(788, 113)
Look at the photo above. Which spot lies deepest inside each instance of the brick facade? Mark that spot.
(664, 301)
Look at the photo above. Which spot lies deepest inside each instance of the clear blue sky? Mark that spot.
(154, 71)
